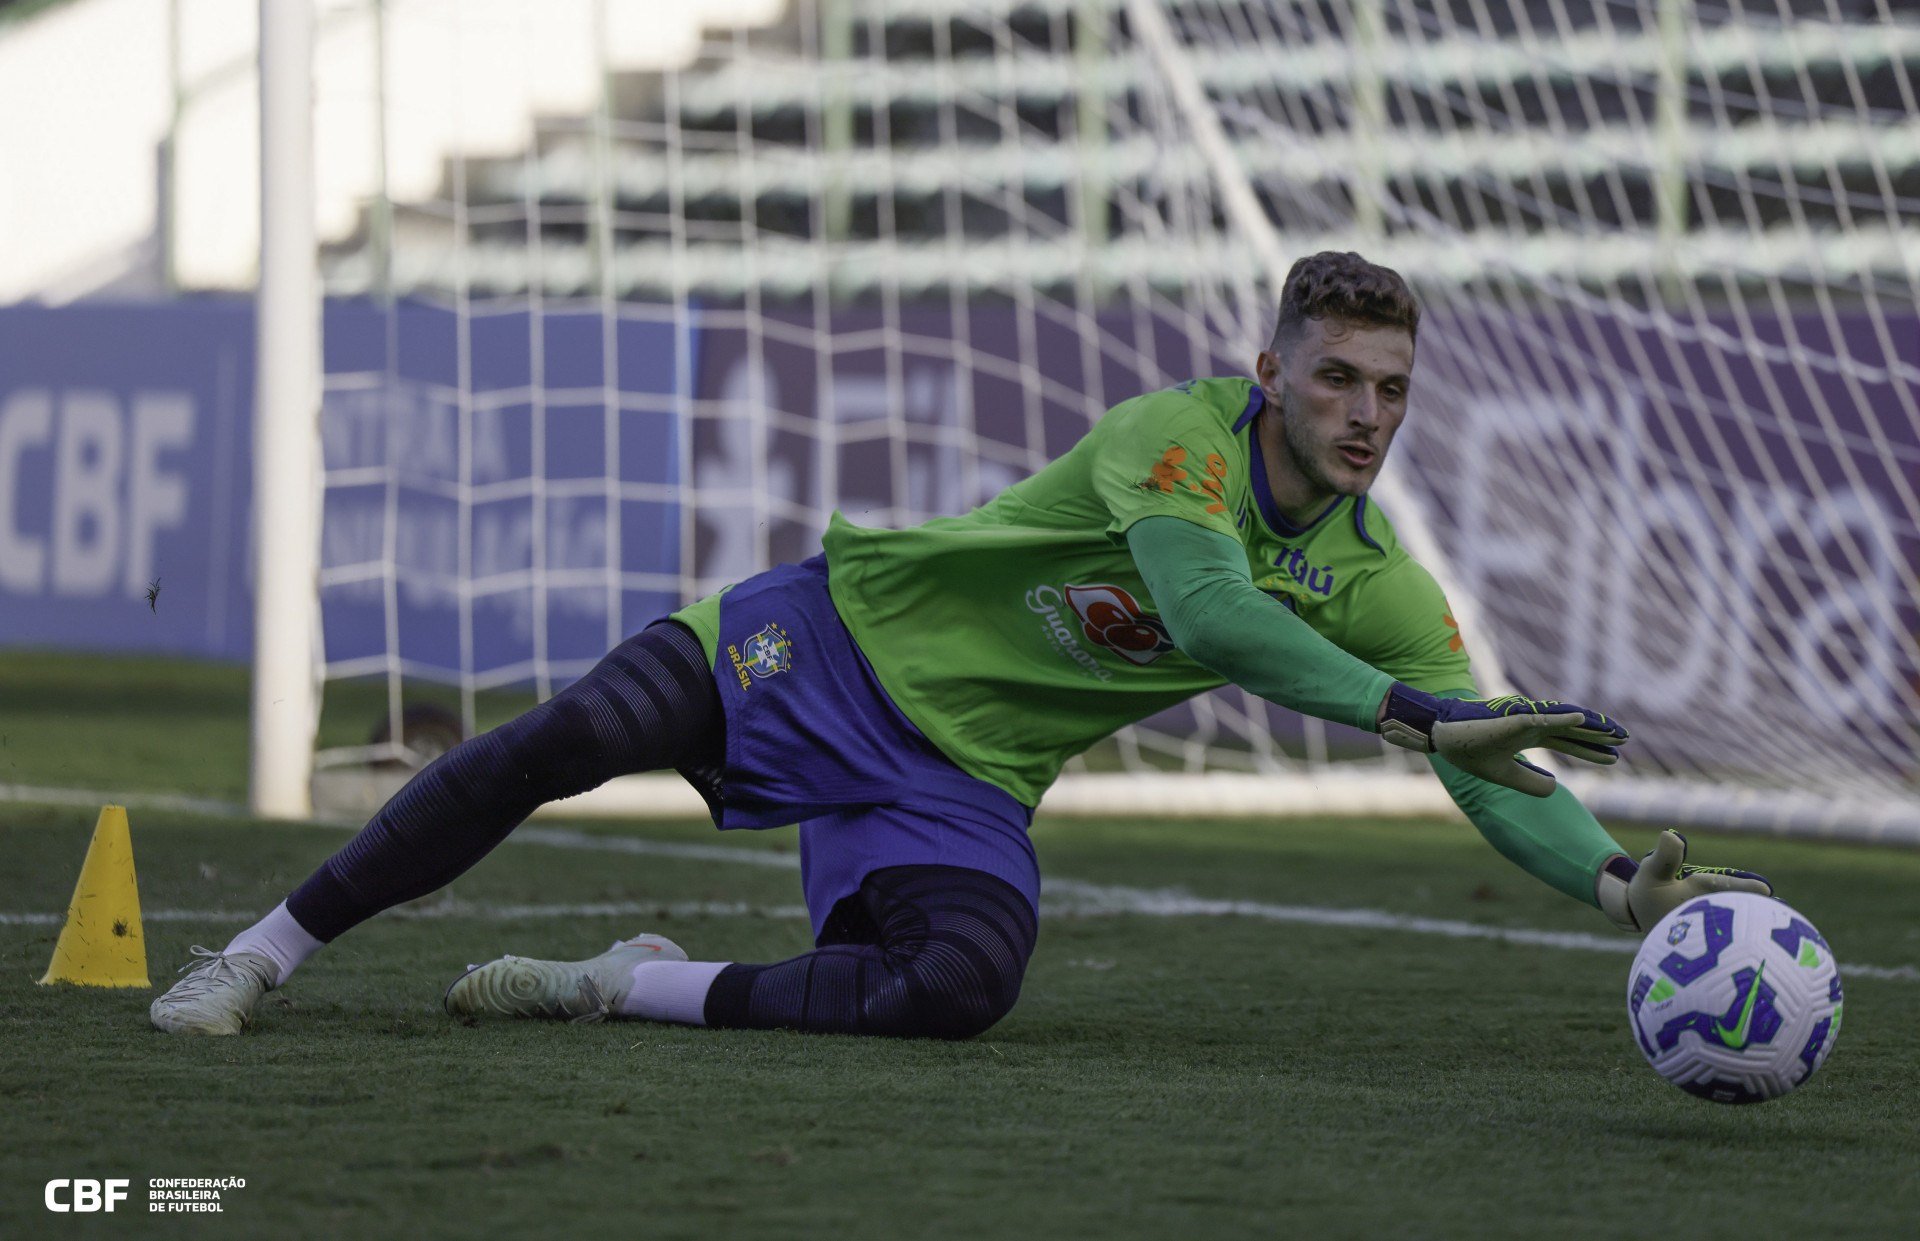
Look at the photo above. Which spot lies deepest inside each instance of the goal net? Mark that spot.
(623, 306)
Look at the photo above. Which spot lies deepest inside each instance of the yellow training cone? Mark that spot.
(101, 944)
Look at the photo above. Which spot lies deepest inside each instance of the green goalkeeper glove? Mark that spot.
(1636, 897)
(1483, 737)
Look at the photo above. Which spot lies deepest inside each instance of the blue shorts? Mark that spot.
(813, 739)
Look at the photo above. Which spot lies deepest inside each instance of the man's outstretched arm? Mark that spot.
(1199, 581)
(1555, 839)
(1214, 613)
(1219, 619)
(1558, 841)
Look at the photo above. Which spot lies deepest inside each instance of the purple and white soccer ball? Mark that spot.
(1735, 998)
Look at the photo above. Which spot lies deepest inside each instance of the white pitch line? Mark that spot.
(1063, 897)
(1091, 899)
(35, 795)
(146, 915)
(475, 912)
(1075, 898)
(567, 838)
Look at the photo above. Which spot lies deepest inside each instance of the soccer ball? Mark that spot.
(1735, 998)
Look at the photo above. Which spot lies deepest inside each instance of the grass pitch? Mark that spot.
(1162, 1075)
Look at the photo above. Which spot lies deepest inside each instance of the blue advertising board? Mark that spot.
(508, 494)
(484, 470)
(502, 487)
(123, 463)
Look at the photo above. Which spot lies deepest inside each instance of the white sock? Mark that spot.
(671, 991)
(280, 939)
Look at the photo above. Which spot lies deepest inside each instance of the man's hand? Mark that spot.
(1483, 737)
(1636, 897)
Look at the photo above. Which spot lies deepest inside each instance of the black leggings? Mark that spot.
(919, 950)
(650, 703)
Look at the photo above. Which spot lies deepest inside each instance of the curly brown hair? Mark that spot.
(1337, 284)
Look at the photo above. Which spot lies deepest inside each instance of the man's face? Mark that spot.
(1341, 393)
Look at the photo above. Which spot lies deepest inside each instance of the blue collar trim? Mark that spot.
(1360, 525)
(1256, 400)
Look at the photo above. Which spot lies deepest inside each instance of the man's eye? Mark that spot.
(1336, 379)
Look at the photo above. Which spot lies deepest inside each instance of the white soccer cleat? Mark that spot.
(218, 995)
(558, 990)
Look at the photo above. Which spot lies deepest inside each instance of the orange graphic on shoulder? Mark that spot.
(1215, 483)
(1454, 642)
(1167, 474)
(1167, 471)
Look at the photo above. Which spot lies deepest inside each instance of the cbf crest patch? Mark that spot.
(765, 654)
(768, 651)
(761, 656)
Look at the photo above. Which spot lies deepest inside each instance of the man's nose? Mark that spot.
(1364, 411)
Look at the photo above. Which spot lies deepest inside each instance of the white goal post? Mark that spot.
(287, 664)
(621, 307)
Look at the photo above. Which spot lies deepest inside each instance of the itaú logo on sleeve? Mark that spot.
(1112, 618)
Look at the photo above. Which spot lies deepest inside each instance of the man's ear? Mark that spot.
(1266, 368)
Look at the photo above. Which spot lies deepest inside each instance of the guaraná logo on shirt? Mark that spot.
(1114, 619)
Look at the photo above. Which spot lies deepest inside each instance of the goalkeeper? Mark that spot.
(908, 697)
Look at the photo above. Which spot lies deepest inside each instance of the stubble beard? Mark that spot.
(1309, 457)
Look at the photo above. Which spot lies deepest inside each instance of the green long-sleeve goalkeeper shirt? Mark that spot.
(1205, 594)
